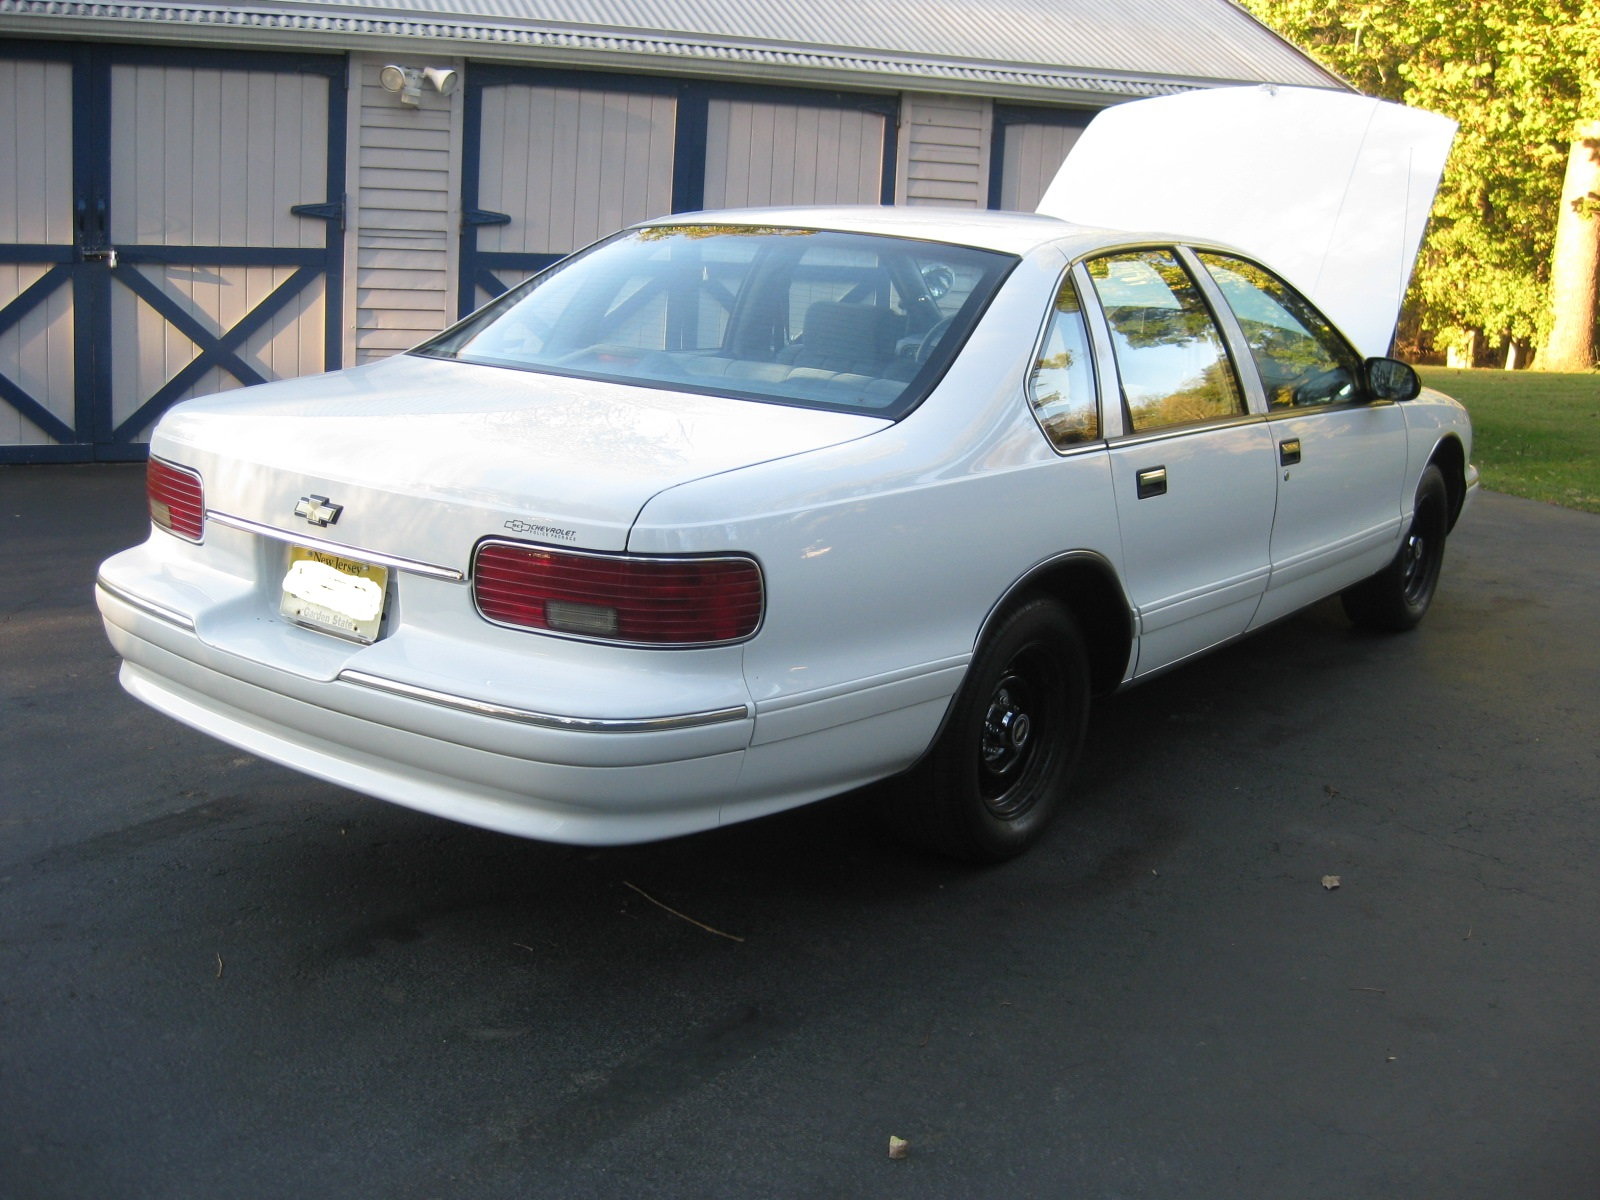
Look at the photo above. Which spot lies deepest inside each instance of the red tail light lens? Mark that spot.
(177, 499)
(619, 598)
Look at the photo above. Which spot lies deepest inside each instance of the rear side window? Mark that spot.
(845, 321)
(1170, 355)
(1062, 387)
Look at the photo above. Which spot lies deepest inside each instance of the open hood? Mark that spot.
(1330, 189)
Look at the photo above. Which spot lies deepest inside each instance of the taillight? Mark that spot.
(177, 500)
(619, 598)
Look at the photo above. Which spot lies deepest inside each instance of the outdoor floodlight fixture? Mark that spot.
(408, 81)
(443, 79)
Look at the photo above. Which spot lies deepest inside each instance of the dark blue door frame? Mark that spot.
(478, 267)
(90, 269)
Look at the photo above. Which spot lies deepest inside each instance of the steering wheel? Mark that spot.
(931, 338)
(1324, 387)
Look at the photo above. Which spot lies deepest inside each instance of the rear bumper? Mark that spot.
(535, 736)
(531, 771)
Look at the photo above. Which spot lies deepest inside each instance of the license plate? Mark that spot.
(334, 594)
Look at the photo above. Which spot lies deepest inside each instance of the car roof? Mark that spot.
(1010, 232)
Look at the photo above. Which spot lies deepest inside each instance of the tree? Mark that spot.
(1517, 75)
(1575, 260)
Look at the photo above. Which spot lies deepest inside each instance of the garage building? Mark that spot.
(196, 196)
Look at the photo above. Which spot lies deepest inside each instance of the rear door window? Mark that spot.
(1171, 359)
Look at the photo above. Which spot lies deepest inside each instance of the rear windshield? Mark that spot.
(845, 321)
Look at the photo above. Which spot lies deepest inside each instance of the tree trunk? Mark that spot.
(1465, 354)
(1575, 262)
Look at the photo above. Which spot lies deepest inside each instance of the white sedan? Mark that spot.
(735, 511)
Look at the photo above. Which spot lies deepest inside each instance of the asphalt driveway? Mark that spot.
(220, 979)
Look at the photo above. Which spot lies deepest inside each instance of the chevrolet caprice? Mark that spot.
(734, 511)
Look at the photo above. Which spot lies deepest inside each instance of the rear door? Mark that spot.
(1193, 471)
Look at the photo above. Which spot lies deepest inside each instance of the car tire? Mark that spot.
(1397, 597)
(990, 785)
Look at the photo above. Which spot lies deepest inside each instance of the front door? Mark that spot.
(1340, 454)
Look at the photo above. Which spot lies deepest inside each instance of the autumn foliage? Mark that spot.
(1522, 77)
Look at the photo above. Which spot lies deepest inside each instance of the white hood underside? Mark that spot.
(1330, 189)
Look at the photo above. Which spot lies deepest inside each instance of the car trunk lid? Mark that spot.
(425, 457)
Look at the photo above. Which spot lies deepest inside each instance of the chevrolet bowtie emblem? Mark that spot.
(317, 510)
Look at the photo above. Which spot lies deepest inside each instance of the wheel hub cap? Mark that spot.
(1414, 549)
(1006, 730)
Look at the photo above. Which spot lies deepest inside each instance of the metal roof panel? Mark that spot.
(1130, 47)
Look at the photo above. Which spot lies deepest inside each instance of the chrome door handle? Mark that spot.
(1288, 452)
(1152, 482)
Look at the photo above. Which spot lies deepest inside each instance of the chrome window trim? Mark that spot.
(525, 716)
(296, 538)
(160, 611)
(1177, 431)
(1317, 410)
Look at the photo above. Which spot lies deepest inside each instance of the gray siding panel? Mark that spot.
(405, 200)
(945, 148)
(412, 138)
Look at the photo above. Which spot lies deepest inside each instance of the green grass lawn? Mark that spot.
(1534, 435)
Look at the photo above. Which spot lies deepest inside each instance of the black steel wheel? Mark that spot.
(1397, 597)
(991, 783)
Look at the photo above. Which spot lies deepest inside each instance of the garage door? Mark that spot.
(1029, 146)
(38, 345)
(760, 152)
(174, 228)
(555, 160)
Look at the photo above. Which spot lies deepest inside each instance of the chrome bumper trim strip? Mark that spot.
(160, 611)
(296, 538)
(484, 708)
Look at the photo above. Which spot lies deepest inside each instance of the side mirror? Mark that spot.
(1391, 379)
